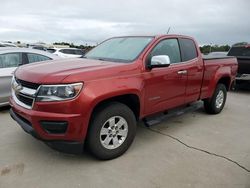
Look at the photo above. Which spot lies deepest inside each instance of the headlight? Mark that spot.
(58, 92)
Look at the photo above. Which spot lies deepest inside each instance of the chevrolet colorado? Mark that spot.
(98, 100)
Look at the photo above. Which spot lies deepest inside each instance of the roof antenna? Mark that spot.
(168, 30)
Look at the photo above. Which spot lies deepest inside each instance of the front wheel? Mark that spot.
(111, 131)
(215, 104)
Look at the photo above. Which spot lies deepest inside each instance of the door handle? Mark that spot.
(182, 72)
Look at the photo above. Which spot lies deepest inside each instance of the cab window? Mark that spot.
(188, 49)
(168, 47)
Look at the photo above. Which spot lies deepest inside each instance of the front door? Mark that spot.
(165, 87)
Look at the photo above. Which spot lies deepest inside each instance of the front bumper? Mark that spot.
(61, 124)
(63, 146)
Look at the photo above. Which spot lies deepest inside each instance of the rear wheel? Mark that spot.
(215, 104)
(111, 131)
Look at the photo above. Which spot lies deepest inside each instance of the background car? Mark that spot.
(10, 59)
(38, 48)
(67, 52)
(7, 44)
(242, 52)
(217, 54)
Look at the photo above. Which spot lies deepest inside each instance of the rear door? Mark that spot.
(194, 68)
(8, 64)
(165, 87)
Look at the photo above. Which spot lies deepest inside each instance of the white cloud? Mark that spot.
(78, 21)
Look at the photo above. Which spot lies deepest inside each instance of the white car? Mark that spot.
(217, 54)
(7, 44)
(67, 52)
(10, 59)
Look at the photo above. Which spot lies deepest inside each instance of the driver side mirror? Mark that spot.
(159, 61)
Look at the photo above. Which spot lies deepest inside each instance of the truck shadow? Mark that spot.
(4, 109)
(175, 123)
(242, 88)
(172, 125)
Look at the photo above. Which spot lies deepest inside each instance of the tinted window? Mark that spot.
(63, 51)
(168, 47)
(36, 58)
(239, 51)
(67, 51)
(10, 60)
(79, 52)
(70, 51)
(188, 49)
(121, 49)
(39, 48)
(51, 50)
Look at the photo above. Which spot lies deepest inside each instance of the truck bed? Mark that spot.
(213, 66)
(208, 57)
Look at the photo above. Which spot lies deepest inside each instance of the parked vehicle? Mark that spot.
(38, 48)
(7, 44)
(10, 59)
(51, 50)
(217, 54)
(242, 52)
(99, 99)
(67, 52)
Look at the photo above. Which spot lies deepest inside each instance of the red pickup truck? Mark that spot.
(98, 100)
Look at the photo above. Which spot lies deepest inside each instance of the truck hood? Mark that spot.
(51, 72)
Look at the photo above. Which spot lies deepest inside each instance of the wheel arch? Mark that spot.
(131, 100)
(226, 80)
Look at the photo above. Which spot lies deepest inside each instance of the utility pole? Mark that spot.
(210, 48)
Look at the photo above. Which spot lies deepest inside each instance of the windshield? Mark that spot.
(122, 49)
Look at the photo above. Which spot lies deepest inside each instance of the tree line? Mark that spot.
(205, 49)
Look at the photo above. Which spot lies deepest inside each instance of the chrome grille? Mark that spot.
(27, 84)
(25, 99)
(24, 92)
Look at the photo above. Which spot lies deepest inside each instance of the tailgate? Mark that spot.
(243, 65)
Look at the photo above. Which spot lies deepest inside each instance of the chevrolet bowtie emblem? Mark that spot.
(16, 87)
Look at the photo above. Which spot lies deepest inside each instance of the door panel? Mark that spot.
(195, 76)
(194, 66)
(165, 88)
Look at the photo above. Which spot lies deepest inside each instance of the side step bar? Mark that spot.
(154, 120)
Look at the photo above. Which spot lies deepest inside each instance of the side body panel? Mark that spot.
(164, 88)
(216, 69)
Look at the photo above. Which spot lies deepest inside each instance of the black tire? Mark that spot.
(99, 118)
(210, 104)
